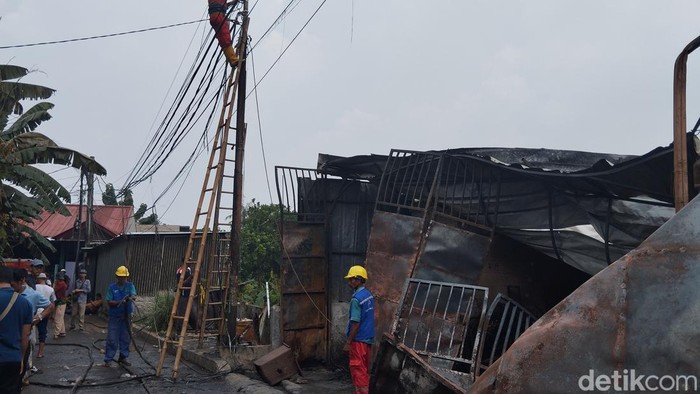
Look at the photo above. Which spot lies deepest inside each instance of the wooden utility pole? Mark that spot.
(241, 129)
(209, 250)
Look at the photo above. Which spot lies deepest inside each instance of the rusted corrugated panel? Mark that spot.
(304, 291)
(393, 245)
(641, 313)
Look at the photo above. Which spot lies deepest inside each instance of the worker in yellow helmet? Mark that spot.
(360, 331)
(120, 297)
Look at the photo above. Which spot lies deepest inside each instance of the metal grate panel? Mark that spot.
(442, 321)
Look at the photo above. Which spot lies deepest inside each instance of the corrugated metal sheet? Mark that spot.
(152, 260)
(111, 220)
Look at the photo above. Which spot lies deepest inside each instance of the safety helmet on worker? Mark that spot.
(122, 271)
(357, 271)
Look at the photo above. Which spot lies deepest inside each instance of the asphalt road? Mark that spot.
(78, 357)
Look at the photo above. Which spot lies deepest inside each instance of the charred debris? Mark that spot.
(465, 249)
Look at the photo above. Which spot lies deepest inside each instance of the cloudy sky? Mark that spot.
(363, 77)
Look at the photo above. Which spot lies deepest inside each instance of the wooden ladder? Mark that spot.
(209, 246)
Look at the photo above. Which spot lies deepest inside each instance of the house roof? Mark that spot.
(111, 220)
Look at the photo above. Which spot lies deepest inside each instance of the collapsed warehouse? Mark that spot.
(465, 248)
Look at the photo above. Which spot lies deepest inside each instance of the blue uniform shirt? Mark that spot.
(117, 293)
(11, 326)
(362, 311)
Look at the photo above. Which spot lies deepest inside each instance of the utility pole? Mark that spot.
(90, 208)
(241, 128)
(79, 221)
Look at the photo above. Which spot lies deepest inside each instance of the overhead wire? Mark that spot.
(163, 144)
(276, 22)
(102, 35)
(287, 47)
(262, 143)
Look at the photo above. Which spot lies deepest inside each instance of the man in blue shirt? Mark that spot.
(41, 309)
(120, 298)
(15, 325)
(360, 330)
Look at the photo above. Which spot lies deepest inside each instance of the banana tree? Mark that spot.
(26, 191)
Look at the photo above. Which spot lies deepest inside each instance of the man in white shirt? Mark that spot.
(42, 327)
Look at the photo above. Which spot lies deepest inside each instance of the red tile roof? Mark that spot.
(109, 220)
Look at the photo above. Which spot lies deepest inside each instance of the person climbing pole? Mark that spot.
(218, 22)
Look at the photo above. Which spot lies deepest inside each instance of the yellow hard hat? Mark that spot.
(122, 271)
(355, 271)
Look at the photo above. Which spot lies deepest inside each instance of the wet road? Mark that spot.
(79, 357)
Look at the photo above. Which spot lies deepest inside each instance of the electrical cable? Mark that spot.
(276, 22)
(152, 158)
(102, 35)
(288, 45)
(262, 144)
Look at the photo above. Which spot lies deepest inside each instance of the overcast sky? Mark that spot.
(365, 76)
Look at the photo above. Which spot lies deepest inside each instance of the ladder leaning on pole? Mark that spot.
(210, 219)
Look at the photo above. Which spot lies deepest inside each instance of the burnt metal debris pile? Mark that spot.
(465, 248)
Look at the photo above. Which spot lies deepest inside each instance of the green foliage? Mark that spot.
(260, 253)
(127, 198)
(150, 219)
(253, 292)
(109, 197)
(260, 242)
(140, 212)
(27, 191)
(157, 319)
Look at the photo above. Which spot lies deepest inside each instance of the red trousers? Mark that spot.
(360, 356)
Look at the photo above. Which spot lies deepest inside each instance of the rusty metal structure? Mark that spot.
(530, 224)
(325, 227)
(640, 314)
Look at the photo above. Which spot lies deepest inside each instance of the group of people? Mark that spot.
(28, 300)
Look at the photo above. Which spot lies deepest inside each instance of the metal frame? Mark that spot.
(407, 181)
(451, 306)
(503, 339)
(294, 185)
(476, 203)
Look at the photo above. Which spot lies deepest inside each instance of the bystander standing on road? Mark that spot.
(80, 293)
(15, 325)
(36, 267)
(61, 290)
(42, 328)
(120, 297)
(360, 330)
(37, 301)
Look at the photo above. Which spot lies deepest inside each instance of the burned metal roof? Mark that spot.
(586, 209)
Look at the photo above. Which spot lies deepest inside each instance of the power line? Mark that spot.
(101, 36)
(262, 144)
(285, 49)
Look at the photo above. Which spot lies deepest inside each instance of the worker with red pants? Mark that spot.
(218, 22)
(360, 330)
(120, 298)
